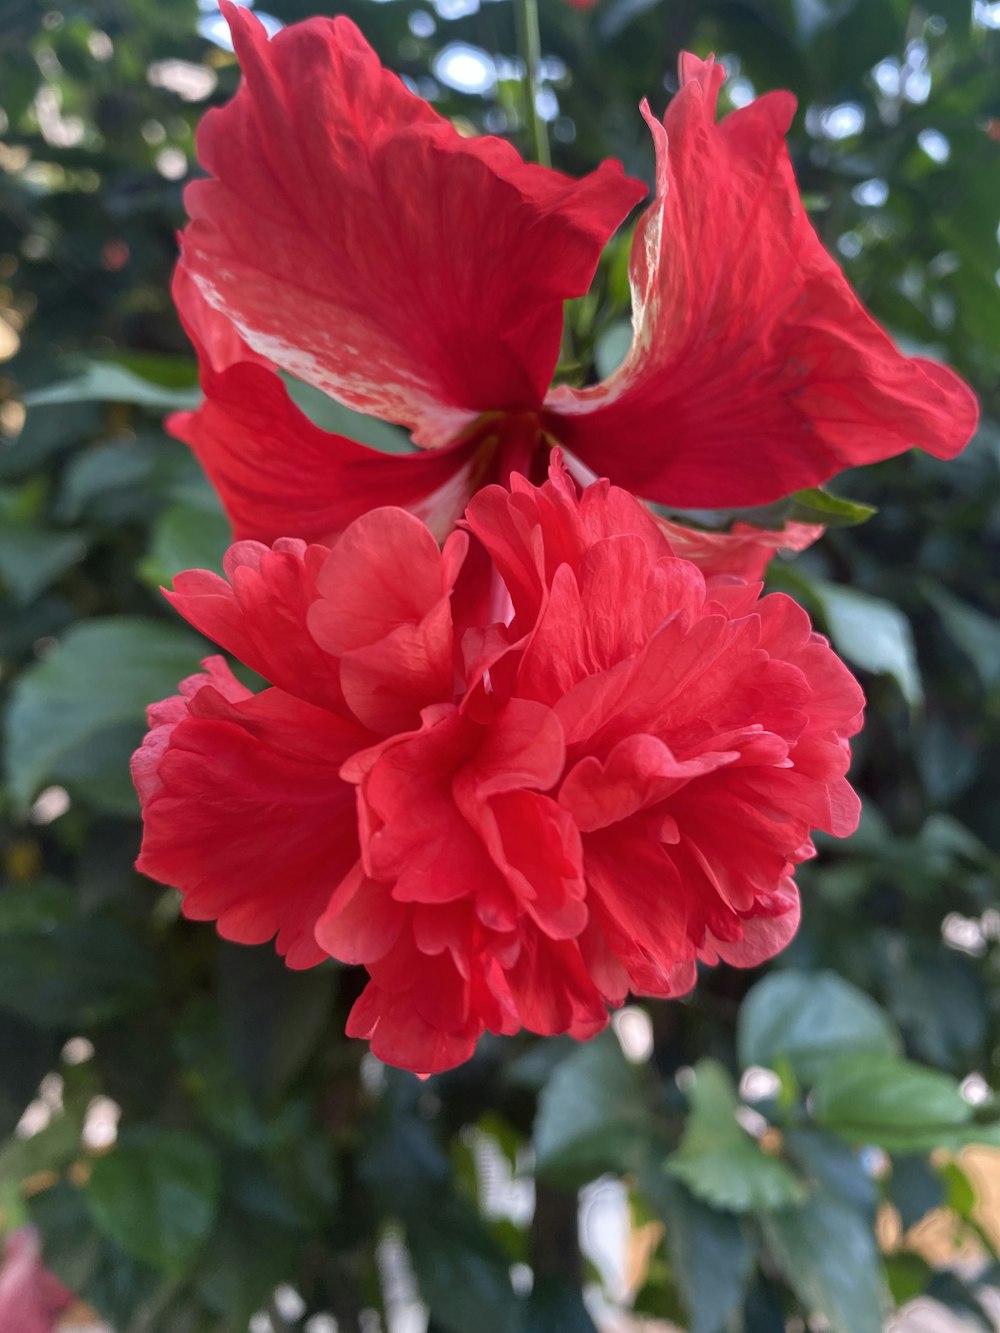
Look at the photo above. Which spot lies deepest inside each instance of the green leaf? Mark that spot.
(872, 634)
(60, 967)
(718, 1160)
(245, 1258)
(328, 414)
(944, 1024)
(810, 1019)
(827, 1161)
(555, 1305)
(185, 536)
(47, 432)
(462, 1273)
(593, 1115)
(830, 1259)
(156, 1194)
(106, 382)
(833, 511)
(907, 1274)
(105, 480)
(176, 372)
(73, 1245)
(915, 1188)
(100, 675)
(709, 1254)
(274, 1016)
(895, 1103)
(31, 558)
(976, 634)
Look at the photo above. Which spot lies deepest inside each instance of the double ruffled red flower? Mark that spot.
(350, 236)
(511, 825)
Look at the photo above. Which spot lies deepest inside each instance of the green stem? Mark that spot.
(529, 44)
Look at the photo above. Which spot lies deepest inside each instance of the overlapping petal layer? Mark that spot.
(614, 781)
(754, 370)
(277, 473)
(354, 238)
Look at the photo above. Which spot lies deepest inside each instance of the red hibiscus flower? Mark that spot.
(350, 236)
(512, 824)
(31, 1299)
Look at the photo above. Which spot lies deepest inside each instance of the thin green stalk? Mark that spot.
(529, 43)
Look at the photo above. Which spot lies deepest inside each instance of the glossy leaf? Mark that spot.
(718, 1160)
(809, 1020)
(892, 1102)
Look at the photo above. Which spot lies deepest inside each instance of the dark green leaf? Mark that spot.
(976, 634)
(907, 1275)
(59, 967)
(33, 557)
(915, 1188)
(828, 1162)
(828, 1254)
(555, 1306)
(709, 1254)
(593, 1115)
(156, 1195)
(101, 674)
(463, 1275)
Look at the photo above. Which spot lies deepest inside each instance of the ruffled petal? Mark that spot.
(357, 240)
(277, 474)
(754, 370)
(250, 819)
(744, 552)
(259, 613)
(384, 609)
(764, 935)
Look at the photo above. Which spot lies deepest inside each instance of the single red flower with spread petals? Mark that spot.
(350, 236)
(508, 824)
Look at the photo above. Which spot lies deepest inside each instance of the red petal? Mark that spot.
(763, 936)
(744, 552)
(384, 605)
(260, 615)
(276, 473)
(553, 990)
(361, 922)
(356, 239)
(384, 572)
(400, 1036)
(755, 370)
(251, 820)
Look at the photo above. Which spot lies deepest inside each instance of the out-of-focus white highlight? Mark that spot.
(634, 1030)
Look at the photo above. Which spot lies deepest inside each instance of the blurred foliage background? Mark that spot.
(201, 1148)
